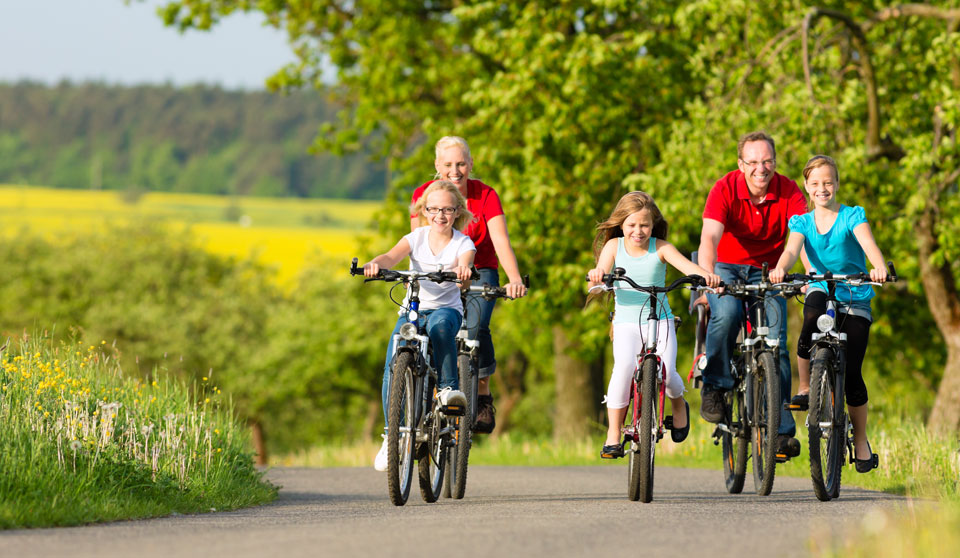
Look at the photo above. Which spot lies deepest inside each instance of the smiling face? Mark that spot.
(637, 228)
(821, 185)
(454, 165)
(442, 202)
(758, 163)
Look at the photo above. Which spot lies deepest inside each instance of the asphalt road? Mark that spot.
(508, 511)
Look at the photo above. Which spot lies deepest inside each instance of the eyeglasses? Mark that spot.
(435, 210)
(766, 163)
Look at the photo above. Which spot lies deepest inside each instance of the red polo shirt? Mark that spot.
(484, 203)
(753, 234)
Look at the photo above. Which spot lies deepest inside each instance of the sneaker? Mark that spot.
(787, 447)
(380, 461)
(711, 404)
(486, 415)
(449, 397)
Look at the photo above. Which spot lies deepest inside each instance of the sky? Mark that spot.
(112, 42)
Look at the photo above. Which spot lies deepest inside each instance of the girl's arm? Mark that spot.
(789, 257)
(865, 237)
(608, 255)
(668, 253)
(497, 227)
(388, 260)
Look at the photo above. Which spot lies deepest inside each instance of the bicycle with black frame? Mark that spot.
(829, 430)
(751, 417)
(647, 394)
(418, 427)
(468, 367)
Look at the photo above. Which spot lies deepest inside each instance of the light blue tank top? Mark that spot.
(645, 270)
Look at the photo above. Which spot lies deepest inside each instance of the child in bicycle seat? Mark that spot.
(633, 237)
(437, 245)
(837, 239)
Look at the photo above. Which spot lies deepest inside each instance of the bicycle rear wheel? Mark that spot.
(826, 426)
(765, 386)
(401, 431)
(458, 455)
(736, 447)
(640, 480)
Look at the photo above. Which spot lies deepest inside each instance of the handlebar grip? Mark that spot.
(474, 273)
(765, 271)
(891, 272)
(353, 268)
(526, 281)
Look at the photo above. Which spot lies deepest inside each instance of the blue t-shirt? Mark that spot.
(836, 251)
(644, 270)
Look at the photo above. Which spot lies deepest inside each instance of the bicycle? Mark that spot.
(752, 406)
(828, 425)
(468, 367)
(647, 391)
(416, 429)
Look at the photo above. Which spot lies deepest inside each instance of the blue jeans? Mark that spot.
(478, 312)
(726, 315)
(442, 327)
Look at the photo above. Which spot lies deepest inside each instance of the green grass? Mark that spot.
(82, 443)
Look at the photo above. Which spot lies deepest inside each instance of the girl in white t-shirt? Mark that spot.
(439, 242)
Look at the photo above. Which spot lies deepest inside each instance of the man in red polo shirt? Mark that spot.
(745, 225)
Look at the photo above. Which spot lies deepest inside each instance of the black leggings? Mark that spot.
(858, 333)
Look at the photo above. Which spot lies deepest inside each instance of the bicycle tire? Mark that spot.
(736, 448)
(766, 415)
(432, 456)
(825, 435)
(458, 456)
(643, 457)
(400, 437)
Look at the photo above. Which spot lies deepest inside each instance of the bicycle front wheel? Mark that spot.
(401, 430)
(826, 426)
(455, 485)
(736, 447)
(765, 384)
(640, 483)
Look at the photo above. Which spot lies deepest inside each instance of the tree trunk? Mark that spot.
(370, 421)
(512, 385)
(577, 402)
(259, 442)
(940, 289)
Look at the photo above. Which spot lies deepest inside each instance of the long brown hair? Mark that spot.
(628, 205)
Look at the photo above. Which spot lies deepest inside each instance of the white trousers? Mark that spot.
(627, 344)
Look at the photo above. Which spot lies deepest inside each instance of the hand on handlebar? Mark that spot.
(371, 269)
(878, 275)
(777, 274)
(712, 280)
(463, 272)
(595, 275)
(515, 289)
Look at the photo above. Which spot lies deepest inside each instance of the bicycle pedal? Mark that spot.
(781, 458)
(668, 422)
(793, 408)
(453, 410)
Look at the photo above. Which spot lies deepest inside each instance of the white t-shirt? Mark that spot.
(433, 295)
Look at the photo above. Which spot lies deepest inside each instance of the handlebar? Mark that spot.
(490, 292)
(852, 278)
(619, 274)
(400, 275)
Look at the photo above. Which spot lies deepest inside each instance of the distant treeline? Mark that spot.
(200, 139)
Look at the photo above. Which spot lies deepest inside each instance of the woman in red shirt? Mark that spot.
(488, 231)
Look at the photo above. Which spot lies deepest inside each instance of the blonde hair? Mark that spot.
(452, 141)
(818, 161)
(628, 205)
(443, 185)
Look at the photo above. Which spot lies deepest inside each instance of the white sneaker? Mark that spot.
(380, 461)
(448, 397)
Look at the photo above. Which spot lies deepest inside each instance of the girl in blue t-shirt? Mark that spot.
(836, 239)
(633, 238)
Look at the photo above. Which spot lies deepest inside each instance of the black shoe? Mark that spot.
(799, 402)
(711, 404)
(612, 451)
(867, 465)
(486, 415)
(680, 434)
(787, 447)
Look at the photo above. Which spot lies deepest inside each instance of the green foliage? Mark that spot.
(158, 138)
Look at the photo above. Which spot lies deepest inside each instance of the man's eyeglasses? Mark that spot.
(435, 210)
(767, 163)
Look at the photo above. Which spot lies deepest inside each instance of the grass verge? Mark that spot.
(82, 443)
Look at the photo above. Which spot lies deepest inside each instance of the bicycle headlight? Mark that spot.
(408, 331)
(825, 323)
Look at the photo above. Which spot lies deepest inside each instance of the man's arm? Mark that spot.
(709, 240)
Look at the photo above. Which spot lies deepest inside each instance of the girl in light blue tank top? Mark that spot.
(633, 238)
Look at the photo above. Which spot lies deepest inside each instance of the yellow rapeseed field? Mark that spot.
(279, 232)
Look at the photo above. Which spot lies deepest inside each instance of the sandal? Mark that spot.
(680, 434)
(866, 465)
(799, 402)
(613, 451)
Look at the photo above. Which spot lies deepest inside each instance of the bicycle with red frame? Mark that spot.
(647, 422)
